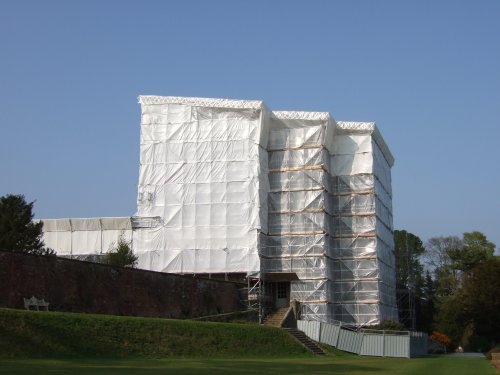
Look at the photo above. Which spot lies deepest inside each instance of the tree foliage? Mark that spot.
(457, 293)
(442, 339)
(449, 317)
(476, 249)
(18, 231)
(466, 279)
(446, 281)
(408, 249)
(480, 299)
(437, 249)
(121, 255)
(426, 304)
(450, 257)
(389, 325)
(474, 304)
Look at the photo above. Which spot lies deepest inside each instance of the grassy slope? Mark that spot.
(86, 344)
(351, 365)
(59, 335)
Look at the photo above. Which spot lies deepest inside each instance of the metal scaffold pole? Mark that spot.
(255, 289)
(261, 297)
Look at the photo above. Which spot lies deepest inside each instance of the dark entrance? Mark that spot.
(277, 288)
(282, 294)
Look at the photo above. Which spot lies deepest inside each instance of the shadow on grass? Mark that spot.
(183, 366)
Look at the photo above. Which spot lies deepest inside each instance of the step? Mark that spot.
(276, 317)
(304, 340)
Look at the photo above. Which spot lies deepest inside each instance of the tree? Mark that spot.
(429, 289)
(18, 231)
(437, 259)
(121, 255)
(408, 248)
(480, 299)
(427, 306)
(466, 279)
(449, 317)
(476, 249)
(450, 257)
(446, 281)
(437, 249)
(409, 277)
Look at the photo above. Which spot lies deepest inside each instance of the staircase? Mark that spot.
(275, 318)
(304, 340)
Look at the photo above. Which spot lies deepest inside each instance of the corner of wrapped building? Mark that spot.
(295, 199)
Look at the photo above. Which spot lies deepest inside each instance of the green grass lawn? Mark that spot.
(32, 334)
(332, 364)
(69, 343)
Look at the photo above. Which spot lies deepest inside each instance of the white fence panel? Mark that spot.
(376, 343)
(397, 346)
(329, 334)
(349, 341)
(310, 328)
(372, 345)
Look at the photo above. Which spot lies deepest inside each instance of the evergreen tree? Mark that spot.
(409, 277)
(409, 271)
(18, 231)
(121, 255)
(427, 308)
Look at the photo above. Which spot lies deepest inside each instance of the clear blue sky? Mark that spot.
(428, 72)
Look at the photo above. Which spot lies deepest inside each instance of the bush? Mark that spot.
(122, 255)
(442, 339)
(389, 325)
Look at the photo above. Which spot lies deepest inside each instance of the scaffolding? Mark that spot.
(328, 225)
(406, 307)
(229, 187)
(405, 294)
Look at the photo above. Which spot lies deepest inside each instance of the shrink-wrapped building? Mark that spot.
(296, 203)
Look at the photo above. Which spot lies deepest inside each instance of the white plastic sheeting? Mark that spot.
(81, 237)
(330, 217)
(203, 172)
(229, 186)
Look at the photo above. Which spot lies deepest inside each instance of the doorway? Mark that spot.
(282, 294)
